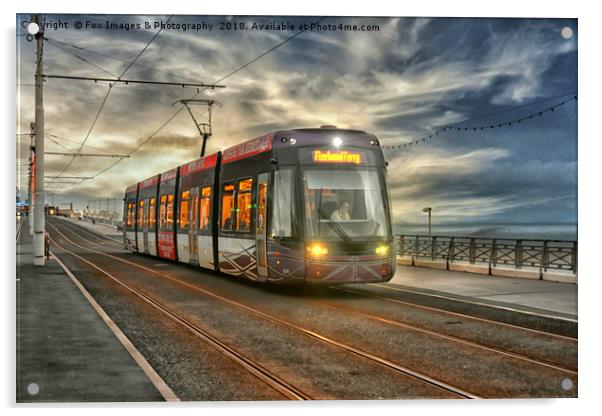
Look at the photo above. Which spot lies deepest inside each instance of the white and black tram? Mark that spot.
(302, 205)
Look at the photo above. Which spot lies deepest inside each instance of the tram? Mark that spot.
(293, 206)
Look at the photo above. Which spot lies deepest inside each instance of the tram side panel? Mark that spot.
(236, 241)
(237, 209)
(195, 199)
(153, 212)
(147, 202)
(167, 212)
(129, 218)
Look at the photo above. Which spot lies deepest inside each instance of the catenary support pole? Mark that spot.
(31, 180)
(39, 227)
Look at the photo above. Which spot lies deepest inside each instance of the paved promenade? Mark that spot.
(65, 351)
(557, 299)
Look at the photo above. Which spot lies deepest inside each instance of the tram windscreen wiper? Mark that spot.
(333, 224)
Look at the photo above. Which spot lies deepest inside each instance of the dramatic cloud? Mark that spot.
(400, 82)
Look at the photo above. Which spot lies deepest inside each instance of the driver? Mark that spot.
(341, 214)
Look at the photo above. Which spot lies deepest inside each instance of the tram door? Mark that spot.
(193, 223)
(145, 227)
(140, 227)
(260, 227)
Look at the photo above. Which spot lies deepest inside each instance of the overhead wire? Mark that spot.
(59, 144)
(107, 96)
(75, 142)
(81, 58)
(151, 136)
(117, 59)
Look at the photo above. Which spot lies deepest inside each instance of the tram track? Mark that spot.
(102, 238)
(444, 335)
(408, 372)
(567, 369)
(405, 290)
(459, 340)
(285, 388)
(454, 313)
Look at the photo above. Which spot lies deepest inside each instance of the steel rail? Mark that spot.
(456, 314)
(472, 302)
(108, 240)
(313, 334)
(395, 322)
(101, 241)
(439, 334)
(148, 370)
(283, 387)
(444, 311)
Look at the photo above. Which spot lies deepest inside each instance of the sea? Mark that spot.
(564, 232)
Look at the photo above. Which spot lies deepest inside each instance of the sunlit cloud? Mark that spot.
(400, 83)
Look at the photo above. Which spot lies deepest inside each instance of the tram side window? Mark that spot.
(205, 208)
(243, 205)
(151, 213)
(170, 210)
(184, 202)
(228, 216)
(281, 224)
(163, 211)
(131, 215)
(141, 214)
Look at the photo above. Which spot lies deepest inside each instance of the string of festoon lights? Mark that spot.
(455, 126)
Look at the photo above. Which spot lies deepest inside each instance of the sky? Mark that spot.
(401, 82)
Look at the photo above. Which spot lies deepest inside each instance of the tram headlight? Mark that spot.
(337, 141)
(382, 250)
(317, 249)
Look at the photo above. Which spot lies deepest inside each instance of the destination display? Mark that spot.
(342, 156)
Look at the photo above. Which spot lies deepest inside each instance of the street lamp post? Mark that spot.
(429, 210)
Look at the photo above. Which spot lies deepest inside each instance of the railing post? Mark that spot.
(416, 243)
(574, 258)
(433, 248)
(545, 258)
(471, 251)
(450, 251)
(493, 255)
(518, 254)
(401, 246)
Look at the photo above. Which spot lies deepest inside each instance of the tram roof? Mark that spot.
(303, 136)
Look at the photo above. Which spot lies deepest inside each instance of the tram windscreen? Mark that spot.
(344, 204)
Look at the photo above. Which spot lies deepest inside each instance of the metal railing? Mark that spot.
(104, 217)
(520, 253)
(105, 211)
